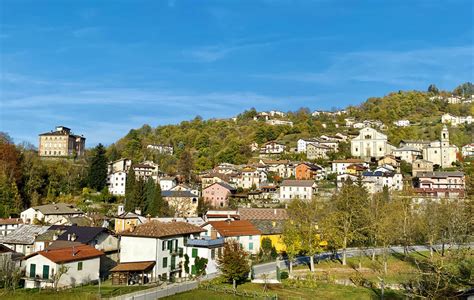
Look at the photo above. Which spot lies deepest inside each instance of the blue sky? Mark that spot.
(104, 67)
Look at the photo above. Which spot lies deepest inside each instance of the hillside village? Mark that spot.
(154, 207)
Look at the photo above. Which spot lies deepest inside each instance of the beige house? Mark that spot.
(421, 166)
(61, 142)
(314, 151)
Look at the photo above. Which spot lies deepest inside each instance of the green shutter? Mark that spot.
(180, 252)
(79, 266)
(170, 245)
(193, 270)
(33, 270)
(165, 262)
(173, 262)
(45, 272)
(250, 246)
(195, 252)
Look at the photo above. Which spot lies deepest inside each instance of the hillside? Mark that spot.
(228, 140)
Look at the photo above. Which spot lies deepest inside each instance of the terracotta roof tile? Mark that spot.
(11, 221)
(160, 229)
(235, 228)
(62, 255)
(133, 266)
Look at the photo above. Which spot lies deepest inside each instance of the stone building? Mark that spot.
(370, 143)
(61, 143)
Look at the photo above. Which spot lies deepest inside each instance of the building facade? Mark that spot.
(61, 143)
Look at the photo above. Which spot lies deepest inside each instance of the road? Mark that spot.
(350, 252)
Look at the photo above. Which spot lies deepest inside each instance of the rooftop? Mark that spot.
(57, 209)
(75, 253)
(83, 234)
(303, 183)
(158, 229)
(441, 174)
(133, 266)
(234, 228)
(177, 194)
(263, 214)
(11, 221)
(24, 235)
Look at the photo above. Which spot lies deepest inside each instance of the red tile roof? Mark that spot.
(11, 221)
(235, 228)
(158, 229)
(76, 253)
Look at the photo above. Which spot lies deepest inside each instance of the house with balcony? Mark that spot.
(272, 147)
(154, 251)
(441, 184)
(80, 265)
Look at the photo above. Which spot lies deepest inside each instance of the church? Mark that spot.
(440, 152)
(370, 143)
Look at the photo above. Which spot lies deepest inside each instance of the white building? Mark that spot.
(167, 183)
(402, 123)
(406, 153)
(377, 180)
(55, 213)
(455, 120)
(340, 166)
(272, 148)
(22, 239)
(162, 149)
(251, 177)
(82, 265)
(163, 245)
(301, 189)
(8, 225)
(441, 152)
(116, 183)
(468, 150)
(370, 143)
(303, 143)
(279, 122)
(145, 170)
(242, 231)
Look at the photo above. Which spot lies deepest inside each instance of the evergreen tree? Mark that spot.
(433, 89)
(185, 165)
(153, 199)
(130, 190)
(97, 177)
(139, 195)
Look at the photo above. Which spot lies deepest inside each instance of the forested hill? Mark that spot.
(228, 140)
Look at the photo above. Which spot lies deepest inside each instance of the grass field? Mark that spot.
(322, 291)
(88, 292)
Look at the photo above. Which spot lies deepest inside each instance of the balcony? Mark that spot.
(205, 242)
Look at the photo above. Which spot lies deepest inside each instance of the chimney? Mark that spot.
(148, 217)
(138, 211)
(275, 211)
(68, 236)
(73, 237)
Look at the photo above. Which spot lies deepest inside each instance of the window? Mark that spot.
(33, 270)
(170, 245)
(163, 245)
(194, 252)
(165, 262)
(250, 237)
(45, 272)
(213, 253)
(79, 266)
(250, 246)
(180, 251)
(193, 269)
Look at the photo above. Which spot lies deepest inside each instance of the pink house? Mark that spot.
(217, 194)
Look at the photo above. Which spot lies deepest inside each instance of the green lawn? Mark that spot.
(88, 292)
(322, 291)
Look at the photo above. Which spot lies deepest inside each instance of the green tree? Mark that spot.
(347, 221)
(234, 263)
(97, 177)
(130, 186)
(433, 89)
(185, 165)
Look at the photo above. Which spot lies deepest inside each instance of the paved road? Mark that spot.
(350, 252)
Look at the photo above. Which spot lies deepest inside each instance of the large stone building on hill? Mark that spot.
(61, 143)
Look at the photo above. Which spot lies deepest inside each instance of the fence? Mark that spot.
(242, 293)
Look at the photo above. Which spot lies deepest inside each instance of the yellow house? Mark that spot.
(273, 230)
(127, 220)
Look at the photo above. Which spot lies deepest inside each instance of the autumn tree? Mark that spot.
(291, 239)
(234, 263)
(185, 165)
(347, 220)
(306, 214)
